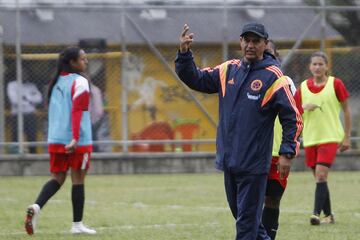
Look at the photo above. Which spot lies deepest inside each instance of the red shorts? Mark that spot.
(274, 173)
(61, 162)
(323, 153)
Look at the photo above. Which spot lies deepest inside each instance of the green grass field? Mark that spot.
(171, 207)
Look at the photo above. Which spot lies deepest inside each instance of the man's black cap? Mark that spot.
(256, 28)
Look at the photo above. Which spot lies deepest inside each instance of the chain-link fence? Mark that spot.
(138, 103)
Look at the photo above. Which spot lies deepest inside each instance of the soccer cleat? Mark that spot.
(328, 219)
(32, 214)
(80, 228)
(314, 220)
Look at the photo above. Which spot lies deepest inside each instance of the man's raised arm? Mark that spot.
(205, 80)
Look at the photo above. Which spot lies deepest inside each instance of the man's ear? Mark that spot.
(266, 41)
(240, 41)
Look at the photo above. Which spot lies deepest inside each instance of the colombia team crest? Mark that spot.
(256, 85)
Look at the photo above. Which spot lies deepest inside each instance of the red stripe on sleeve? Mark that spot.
(275, 70)
(80, 104)
(82, 101)
(76, 115)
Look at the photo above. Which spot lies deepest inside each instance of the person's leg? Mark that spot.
(322, 200)
(30, 129)
(230, 189)
(94, 136)
(78, 194)
(326, 156)
(14, 133)
(47, 191)
(14, 128)
(250, 200)
(321, 192)
(58, 169)
(95, 128)
(275, 188)
(271, 211)
(327, 205)
(321, 173)
(50, 188)
(262, 233)
(311, 154)
(79, 165)
(329, 217)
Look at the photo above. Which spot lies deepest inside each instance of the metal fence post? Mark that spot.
(298, 42)
(323, 25)
(20, 116)
(124, 92)
(162, 59)
(225, 43)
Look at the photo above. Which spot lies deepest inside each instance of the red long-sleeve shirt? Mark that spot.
(340, 90)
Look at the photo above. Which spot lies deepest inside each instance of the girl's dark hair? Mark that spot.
(320, 54)
(273, 46)
(63, 65)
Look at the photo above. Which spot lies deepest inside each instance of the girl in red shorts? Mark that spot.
(69, 137)
(276, 185)
(320, 100)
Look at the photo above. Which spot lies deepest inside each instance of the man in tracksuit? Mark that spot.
(252, 92)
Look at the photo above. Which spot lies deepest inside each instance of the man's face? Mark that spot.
(252, 46)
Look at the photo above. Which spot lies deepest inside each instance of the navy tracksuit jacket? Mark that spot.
(250, 97)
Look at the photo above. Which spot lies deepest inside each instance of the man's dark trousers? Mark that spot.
(245, 194)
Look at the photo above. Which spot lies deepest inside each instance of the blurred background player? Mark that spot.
(30, 99)
(320, 100)
(96, 110)
(69, 137)
(275, 185)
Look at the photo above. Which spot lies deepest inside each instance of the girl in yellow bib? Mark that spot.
(320, 100)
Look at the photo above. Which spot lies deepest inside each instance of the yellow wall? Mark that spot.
(177, 108)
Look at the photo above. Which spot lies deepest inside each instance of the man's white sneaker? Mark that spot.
(80, 228)
(32, 214)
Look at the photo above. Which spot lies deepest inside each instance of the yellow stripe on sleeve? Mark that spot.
(279, 83)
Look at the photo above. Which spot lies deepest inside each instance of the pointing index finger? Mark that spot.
(185, 30)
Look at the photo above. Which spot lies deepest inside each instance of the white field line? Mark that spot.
(8, 200)
(122, 227)
(140, 205)
(158, 226)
